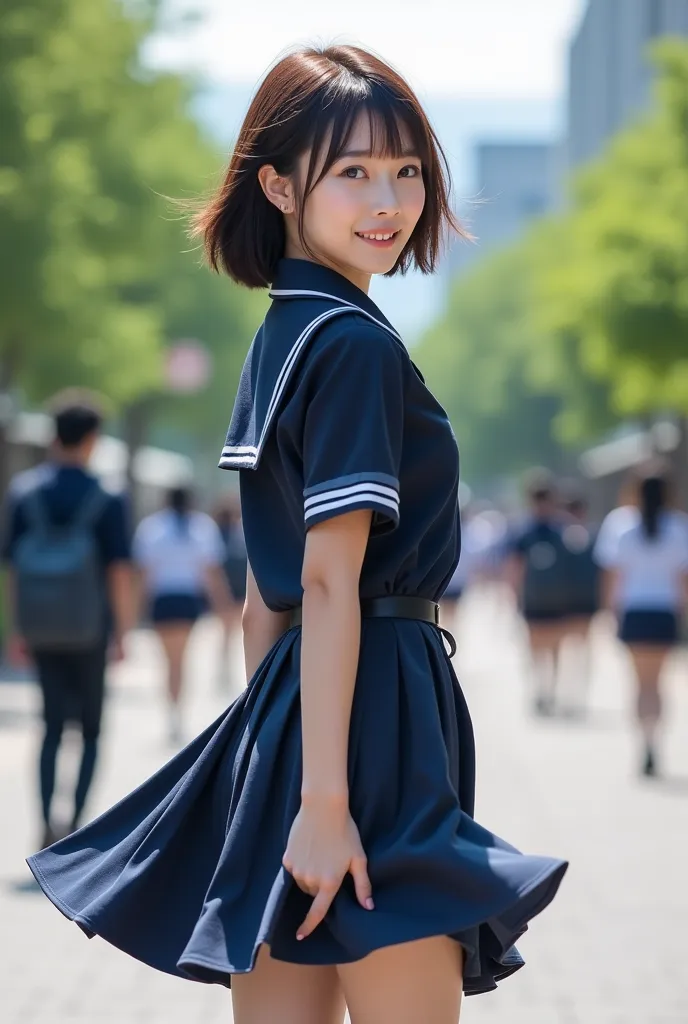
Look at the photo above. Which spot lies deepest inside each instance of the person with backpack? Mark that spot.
(536, 569)
(67, 551)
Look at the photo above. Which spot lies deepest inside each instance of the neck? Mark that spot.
(69, 458)
(294, 251)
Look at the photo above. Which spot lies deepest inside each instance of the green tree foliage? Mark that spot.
(98, 275)
(619, 284)
(476, 359)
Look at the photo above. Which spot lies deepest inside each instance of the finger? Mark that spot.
(364, 890)
(319, 907)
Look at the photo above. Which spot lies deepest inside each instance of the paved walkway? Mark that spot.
(610, 950)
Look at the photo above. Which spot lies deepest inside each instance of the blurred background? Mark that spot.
(558, 338)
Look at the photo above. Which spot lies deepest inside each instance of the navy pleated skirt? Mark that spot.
(185, 873)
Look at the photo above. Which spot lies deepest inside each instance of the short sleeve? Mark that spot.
(113, 532)
(353, 428)
(682, 545)
(607, 545)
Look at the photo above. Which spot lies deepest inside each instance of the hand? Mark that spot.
(323, 846)
(17, 651)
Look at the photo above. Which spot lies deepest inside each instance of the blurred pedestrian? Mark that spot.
(70, 590)
(227, 515)
(536, 571)
(180, 554)
(582, 588)
(643, 549)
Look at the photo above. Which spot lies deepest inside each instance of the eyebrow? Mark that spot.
(366, 152)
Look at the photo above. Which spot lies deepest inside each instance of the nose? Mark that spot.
(385, 198)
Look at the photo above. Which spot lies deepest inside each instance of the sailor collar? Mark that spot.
(305, 296)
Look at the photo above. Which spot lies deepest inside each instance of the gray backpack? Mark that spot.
(60, 590)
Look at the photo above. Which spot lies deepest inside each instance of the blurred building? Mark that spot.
(515, 183)
(609, 78)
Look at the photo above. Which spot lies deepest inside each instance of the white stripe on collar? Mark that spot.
(292, 292)
(246, 456)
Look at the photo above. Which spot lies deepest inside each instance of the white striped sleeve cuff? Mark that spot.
(376, 491)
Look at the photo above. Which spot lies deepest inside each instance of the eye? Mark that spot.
(410, 171)
(353, 173)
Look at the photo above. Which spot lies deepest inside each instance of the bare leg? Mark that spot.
(406, 984)
(280, 993)
(545, 638)
(174, 637)
(648, 661)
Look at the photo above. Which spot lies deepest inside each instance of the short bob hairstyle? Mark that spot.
(310, 101)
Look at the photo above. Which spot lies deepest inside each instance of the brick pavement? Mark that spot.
(608, 951)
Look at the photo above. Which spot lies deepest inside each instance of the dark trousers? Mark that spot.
(73, 686)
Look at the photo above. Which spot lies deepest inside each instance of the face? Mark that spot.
(358, 219)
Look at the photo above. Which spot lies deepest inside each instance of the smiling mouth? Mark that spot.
(379, 238)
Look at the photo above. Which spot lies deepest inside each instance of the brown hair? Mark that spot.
(310, 100)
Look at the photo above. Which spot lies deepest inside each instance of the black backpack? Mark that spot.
(60, 592)
(545, 581)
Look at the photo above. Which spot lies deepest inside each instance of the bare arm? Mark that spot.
(324, 844)
(610, 586)
(684, 592)
(121, 592)
(330, 649)
(15, 647)
(514, 571)
(218, 590)
(261, 627)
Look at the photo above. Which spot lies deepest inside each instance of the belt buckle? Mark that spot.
(437, 613)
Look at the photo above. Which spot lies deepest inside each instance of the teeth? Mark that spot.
(378, 237)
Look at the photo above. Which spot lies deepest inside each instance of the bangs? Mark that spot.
(396, 128)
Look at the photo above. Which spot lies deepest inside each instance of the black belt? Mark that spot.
(396, 608)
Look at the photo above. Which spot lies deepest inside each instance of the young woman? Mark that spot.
(180, 555)
(315, 846)
(643, 549)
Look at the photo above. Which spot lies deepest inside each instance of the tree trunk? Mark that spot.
(135, 430)
(8, 375)
(679, 463)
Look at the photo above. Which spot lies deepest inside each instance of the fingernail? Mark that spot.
(369, 903)
(299, 937)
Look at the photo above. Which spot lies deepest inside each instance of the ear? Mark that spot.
(277, 188)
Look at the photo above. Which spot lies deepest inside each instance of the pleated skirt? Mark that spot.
(185, 873)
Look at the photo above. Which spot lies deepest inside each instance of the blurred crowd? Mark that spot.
(561, 570)
(79, 579)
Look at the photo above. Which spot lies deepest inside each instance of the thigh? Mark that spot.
(90, 673)
(279, 993)
(174, 636)
(54, 679)
(544, 634)
(648, 660)
(406, 984)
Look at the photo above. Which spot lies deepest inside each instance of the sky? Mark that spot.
(486, 69)
(477, 48)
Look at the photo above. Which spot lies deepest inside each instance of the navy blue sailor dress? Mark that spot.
(185, 873)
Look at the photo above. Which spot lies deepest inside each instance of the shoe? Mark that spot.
(649, 767)
(543, 706)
